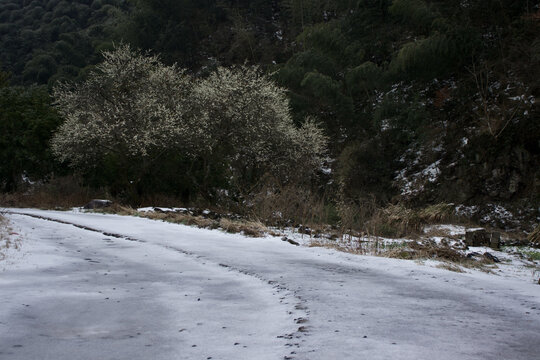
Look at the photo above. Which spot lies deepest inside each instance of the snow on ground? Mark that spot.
(85, 294)
(512, 263)
(10, 243)
(449, 229)
(162, 209)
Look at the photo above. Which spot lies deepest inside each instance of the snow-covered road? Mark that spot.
(143, 289)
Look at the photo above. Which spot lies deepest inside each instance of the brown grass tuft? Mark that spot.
(534, 236)
(451, 267)
(405, 254)
(201, 222)
(248, 228)
(428, 250)
(437, 213)
(117, 209)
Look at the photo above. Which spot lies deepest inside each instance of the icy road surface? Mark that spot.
(132, 288)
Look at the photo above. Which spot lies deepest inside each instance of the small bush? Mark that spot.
(288, 205)
(436, 213)
(399, 220)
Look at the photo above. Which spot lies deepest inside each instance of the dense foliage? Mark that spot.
(43, 41)
(26, 124)
(421, 100)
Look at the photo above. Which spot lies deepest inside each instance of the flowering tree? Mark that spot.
(249, 125)
(134, 111)
(131, 105)
(120, 121)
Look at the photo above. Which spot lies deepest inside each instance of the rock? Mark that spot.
(98, 204)
(480, 237)
(292, 242)
(473, 255)
(304, 230)
(491, 257)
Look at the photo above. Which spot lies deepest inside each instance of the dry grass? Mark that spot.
(397, 220)
(436, 214)
(534, 236)
(200, 222)
(358, 217)
(430, 250)
(248, 228)
(365, 216)
(450, 258)
(450, 267)
(58, 193)
(3, 228)
(118, 209)
(338, 246)
(180, 218)
(412, 220)
(6, 241)
(289, 205)
(442, 233)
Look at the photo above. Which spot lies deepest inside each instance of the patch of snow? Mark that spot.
(432, 172)
(412, 185)
(163, 209)
(466, 211)
(452, 230)
(499, 212)
(438, 148)
(326, 170)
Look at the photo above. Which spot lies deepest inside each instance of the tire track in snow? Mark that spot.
(299, 310)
